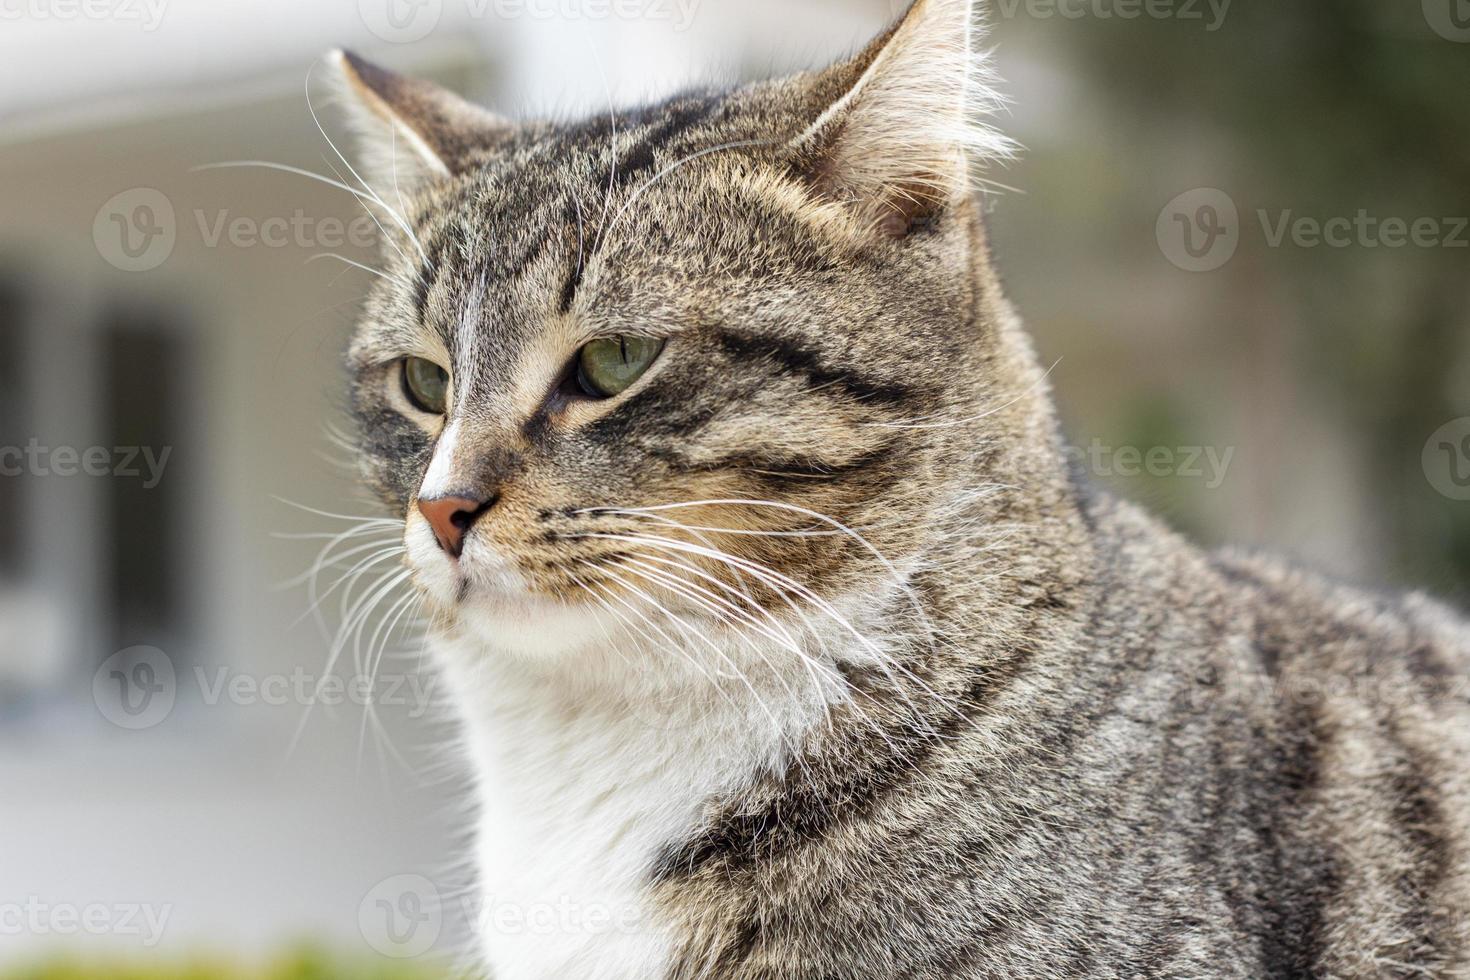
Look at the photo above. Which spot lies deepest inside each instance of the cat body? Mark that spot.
(1162, 763)
(787, 643)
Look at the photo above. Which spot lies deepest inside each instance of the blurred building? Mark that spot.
(166, 317)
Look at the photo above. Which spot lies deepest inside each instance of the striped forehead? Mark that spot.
(489, 286)
(504, 253)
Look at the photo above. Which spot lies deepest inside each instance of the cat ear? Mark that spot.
(409, 129)
(899, 143)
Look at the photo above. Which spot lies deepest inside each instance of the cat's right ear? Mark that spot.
(902, 139)
(410, 130)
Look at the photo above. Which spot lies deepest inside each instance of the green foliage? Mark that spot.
(305, 964)
(1324, 108)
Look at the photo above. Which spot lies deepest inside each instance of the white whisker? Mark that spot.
(920, 422)
(398, 218)
(668, 170)
(358, 265)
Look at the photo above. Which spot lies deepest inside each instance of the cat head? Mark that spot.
(712, 354)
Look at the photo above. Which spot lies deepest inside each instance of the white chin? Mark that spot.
(529, 626)
(493, 603)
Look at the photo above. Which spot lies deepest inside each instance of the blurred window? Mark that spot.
(13, 419)
(143, 369)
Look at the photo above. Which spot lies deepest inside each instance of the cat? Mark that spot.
(788, 643)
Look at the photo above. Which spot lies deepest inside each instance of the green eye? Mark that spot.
(609, 367)
(427, 385)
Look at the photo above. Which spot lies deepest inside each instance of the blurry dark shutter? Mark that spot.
(14, 420)
(143, 403)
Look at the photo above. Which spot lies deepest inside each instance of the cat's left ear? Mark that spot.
(411, 130)
(901, 139)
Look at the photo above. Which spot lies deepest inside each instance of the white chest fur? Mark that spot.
(580, 792)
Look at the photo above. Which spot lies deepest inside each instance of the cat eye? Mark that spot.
(609, 366)
(427, 385)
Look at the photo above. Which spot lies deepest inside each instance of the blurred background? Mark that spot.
(1238, 233)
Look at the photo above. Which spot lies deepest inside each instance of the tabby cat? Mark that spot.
(787, 643)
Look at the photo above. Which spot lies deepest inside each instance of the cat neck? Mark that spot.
(586, 778)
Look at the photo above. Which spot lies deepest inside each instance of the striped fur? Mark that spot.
(809, 655)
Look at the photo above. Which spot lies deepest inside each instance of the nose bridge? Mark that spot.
(482, 444)
(473, 457)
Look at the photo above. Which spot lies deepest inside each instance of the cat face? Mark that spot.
(700, 355)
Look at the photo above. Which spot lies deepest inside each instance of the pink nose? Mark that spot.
(451, 518)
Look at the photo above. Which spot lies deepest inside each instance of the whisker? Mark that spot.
(778, 581)
(670, 583)
(325, 561)
(919, 422)
(400, 219)
(339, 517)
(383, 232)
(780, 635)
(581, 234)
(358, 265)
(612, 114)
(836, 525)
(668, 170)
(673, 645)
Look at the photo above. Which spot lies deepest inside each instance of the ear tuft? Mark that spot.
(411, 130)
(901, 143)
